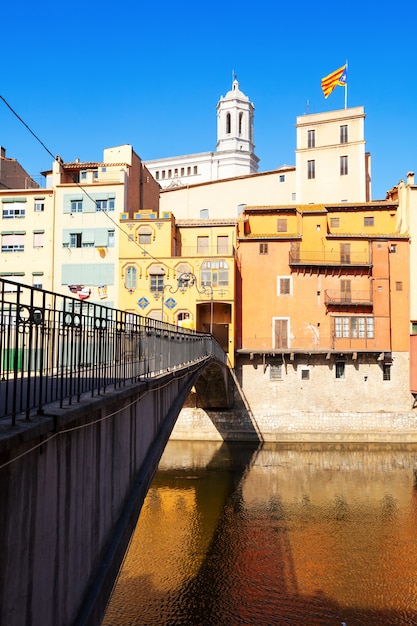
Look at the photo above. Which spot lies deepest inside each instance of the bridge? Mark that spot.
(88, 398)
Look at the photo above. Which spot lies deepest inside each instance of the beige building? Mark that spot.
(89, 200)
(27, 236)
(331, 162)
(331, 166)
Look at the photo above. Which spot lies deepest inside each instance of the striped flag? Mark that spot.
(339, 77)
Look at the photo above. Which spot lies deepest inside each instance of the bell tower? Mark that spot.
(235, 118)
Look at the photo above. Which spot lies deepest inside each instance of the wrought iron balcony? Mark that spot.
(337, 298)
(326, 258)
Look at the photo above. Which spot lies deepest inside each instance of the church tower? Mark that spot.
(235, 121)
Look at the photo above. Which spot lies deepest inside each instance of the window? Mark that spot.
(386, 371)
(95, 173)
(228, 124)
(305, 374)
(282, 178)
(169, 173)
(275, 371)
(83, 175)
(76, 206)
(345, 253)
(176, 173)
(38, 238)
(13, 210)
(157, 283)
(282, 225)
(311, 169)
(188, 171)
(75, 240)
(345, 290)
(340, 369)
(182, 171)
(13, 242)
(284, 286)
(240, 123)
(343, 165)
(105, 205)
(110, 239)
(215, 273)
(195, 169)
(37, 280)
(263, 248)
(130, 277)
(222, 244)
(145, 235)
(344, 133)
(293, 196)
(202, 245)
(280, 329)
(368, 221)
(398, 285)
(156, 175)
(354, 327)
(334, 222)
(39, 207)
(163, 173)
(311, 138)
(204, 214)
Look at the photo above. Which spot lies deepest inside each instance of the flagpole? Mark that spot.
(346, 84)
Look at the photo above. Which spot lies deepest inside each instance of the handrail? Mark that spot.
(54, 348)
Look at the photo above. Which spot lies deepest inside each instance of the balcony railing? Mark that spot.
(312, 345)
(336, 298)
(329, 259)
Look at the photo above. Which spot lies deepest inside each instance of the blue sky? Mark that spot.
(89, 76)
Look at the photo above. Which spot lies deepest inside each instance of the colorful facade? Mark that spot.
(181, 272)
(324, 299)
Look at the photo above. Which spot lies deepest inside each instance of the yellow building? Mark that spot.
(181, 272)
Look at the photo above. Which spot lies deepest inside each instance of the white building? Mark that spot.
(234, 155)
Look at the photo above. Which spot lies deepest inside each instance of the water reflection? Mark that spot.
(282, 534)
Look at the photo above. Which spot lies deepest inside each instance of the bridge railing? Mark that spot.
(54, 348)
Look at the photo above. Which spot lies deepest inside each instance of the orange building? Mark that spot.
(324, 301)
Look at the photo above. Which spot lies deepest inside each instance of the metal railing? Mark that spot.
(329, 258)
(54, 348)
(343, 298)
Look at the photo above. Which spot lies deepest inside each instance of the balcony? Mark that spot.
(335, 298)
(332, 259)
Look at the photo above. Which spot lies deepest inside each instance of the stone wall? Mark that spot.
(361, 407)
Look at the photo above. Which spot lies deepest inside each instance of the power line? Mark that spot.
(58, 159)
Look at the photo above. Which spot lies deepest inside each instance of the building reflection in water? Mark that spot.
(282, 534)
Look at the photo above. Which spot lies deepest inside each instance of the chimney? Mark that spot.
(410, 178)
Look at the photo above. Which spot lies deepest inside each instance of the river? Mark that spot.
(300, 534)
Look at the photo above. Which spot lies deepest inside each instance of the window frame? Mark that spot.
(311, 169)
(344, 165)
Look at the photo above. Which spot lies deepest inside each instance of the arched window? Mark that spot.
(145, 234)
(240, 122)
(228, 124)
(130, 277)
(157, 274)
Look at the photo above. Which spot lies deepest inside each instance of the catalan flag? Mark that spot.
(339, 77)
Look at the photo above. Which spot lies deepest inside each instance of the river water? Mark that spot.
(296, 534)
